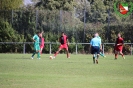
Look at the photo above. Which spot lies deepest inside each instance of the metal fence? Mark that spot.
(104, 46)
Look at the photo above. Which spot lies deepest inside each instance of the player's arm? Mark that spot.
(116, 42)
(41, 33)
(100, 46)
(33, 39)
(122, 42)
(90, 48)
(67, 41)
(59, 40)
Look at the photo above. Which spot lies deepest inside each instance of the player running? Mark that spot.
(119, 46)
(95, 49)
(41, 42)
(36, 45)
(63, 45)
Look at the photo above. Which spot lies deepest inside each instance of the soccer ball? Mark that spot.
(51, 57)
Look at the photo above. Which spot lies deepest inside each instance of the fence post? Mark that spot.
(50, 48)
(103, 48)
(76, 48)
(131, 49)
(23, 48)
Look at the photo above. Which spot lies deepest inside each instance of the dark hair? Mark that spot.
(38, 32)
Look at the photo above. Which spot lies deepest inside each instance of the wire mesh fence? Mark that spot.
(52, 47)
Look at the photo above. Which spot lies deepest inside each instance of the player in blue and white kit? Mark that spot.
(95, 49)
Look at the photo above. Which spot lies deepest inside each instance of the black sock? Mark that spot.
(94, 60)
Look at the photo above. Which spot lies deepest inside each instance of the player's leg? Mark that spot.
(35, 48)
(122, 54)
(41, 48)
(116, 54)
(102, 54)
(38, 52)
(94, 56)
(33, 54)
(66, 48)
(59, 49)
(97, 52)
(93, 52)
(68, 56)
(97, 58)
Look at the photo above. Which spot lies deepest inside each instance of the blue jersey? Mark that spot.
(95, 42)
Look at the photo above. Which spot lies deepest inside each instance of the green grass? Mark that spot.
(18, 71)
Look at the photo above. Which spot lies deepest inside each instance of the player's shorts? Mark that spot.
(95, 50)
(119, 48)
(36, 47)
(63, 46)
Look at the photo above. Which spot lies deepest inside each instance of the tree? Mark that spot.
(56, 4)
(8, 34)
(10, 4)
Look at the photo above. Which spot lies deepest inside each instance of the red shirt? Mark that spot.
(118, 41)
(63, 39)
(42, 41)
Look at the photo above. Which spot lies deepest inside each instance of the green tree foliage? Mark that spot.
(56, 4)
(10, 4)
(8, 34)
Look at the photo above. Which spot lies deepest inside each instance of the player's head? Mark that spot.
(38, 33)
(96, 35)
(62, 33)
(119, 35)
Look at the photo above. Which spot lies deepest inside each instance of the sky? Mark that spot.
(27, 2)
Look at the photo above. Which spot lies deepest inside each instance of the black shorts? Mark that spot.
(95, 50)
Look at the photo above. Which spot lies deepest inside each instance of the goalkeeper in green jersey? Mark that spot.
(36, 40)
(100, 49)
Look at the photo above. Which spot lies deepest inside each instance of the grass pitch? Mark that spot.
(19, 71)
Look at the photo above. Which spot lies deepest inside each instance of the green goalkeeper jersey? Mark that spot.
(36, 38)
(99, 38)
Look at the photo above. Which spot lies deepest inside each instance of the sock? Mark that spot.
(94, 56)
(41, 51)
(38, 55)
(115, 55)
(93, 59)
(56, 54)
(97, 57)
(122, 54)
(33, 54)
